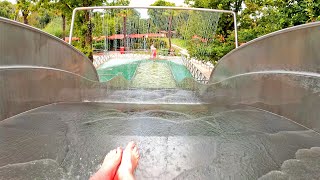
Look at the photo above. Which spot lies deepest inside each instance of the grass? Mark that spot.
(179, 42)
(55, 27)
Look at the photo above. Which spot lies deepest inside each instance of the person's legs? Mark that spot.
(129, 162)
(109, 166)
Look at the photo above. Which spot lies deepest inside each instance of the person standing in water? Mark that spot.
(153, 51)
(119, 164)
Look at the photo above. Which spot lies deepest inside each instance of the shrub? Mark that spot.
(54, 27)
(98, 45)
(159, 43)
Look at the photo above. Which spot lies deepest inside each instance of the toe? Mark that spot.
(135, 149)
(130, 145)
(119, 150)
(112, 152)
(119, 153)
(135, 152)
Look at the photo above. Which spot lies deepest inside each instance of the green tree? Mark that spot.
(62, 8)
(296, 12)
(226, 20)
(313, 10)
(257, 18)
(26, 7)
(163, 18)
(7, 10)
(54, 27)
(84, 23)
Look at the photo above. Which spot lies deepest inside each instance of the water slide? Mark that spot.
(257, 118)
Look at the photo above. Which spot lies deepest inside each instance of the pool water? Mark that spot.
(153, 75)
(147, 73)
(125, 70)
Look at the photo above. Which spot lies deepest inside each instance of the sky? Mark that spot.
(143, 12)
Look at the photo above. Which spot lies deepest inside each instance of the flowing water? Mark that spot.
(147, 73)
(182, 141)
(153, 75)
(178, 135)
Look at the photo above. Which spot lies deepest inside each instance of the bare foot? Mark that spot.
(109, 166)
(129, 162)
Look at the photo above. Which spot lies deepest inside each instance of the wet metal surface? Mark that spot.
(177, 141)
(291, 49)
(289, 94)
(278, 72)
(23, 89)
(21, 44)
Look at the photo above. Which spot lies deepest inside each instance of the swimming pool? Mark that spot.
(146, 73)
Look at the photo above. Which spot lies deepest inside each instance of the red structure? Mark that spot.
(121, 50)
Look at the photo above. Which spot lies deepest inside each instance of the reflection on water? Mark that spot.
(153, 75)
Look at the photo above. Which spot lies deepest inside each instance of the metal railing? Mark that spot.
(207, 65)
(128, 54)
(155, 7)
(98, 60)
(106, 56)
(196, 73)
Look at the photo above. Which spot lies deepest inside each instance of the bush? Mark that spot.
(55, 27)
(98, 45)
(211, 51)
(159, 43)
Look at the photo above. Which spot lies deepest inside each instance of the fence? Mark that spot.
(107, 55)
(196, 73)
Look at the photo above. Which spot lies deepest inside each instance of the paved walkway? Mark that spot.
(203, 68)
(206, 71)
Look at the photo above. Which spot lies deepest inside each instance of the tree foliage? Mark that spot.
(256, 18)
(208, 36)
(25, 7)
(162, 19)
(7, 10)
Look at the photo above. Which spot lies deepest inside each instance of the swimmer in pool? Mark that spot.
(119, 164)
